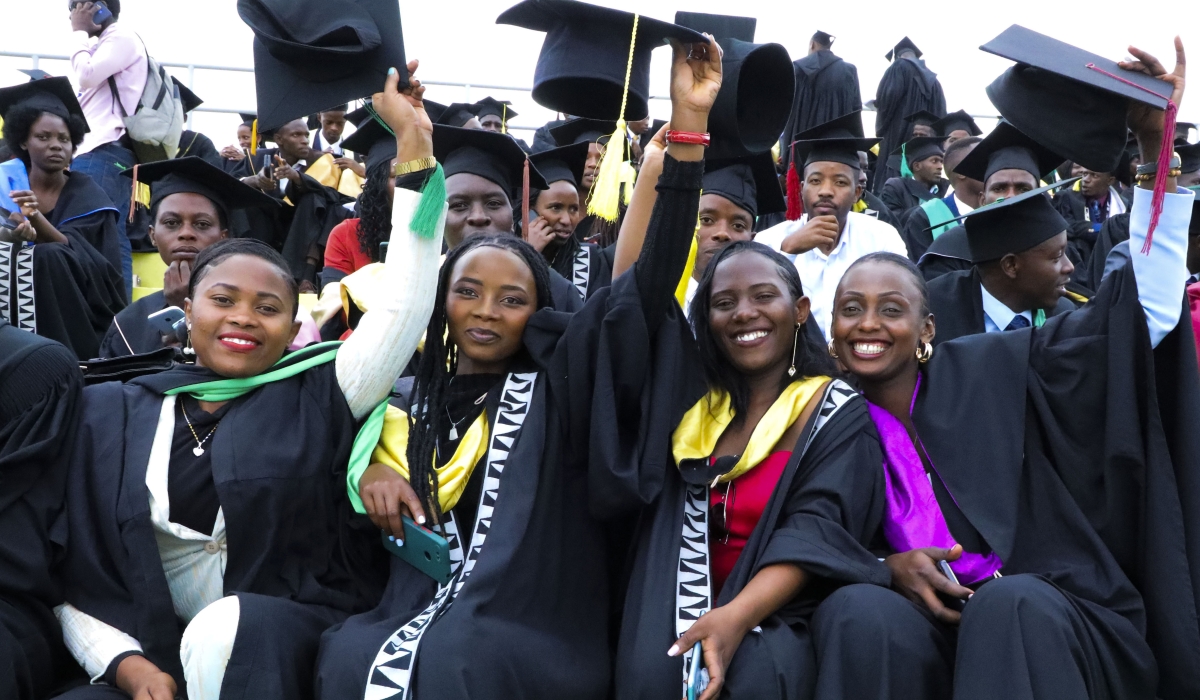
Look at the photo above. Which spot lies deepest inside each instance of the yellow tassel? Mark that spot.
(503, 118)
(605, 196)
(254, 138)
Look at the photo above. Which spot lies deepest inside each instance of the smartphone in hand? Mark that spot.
(102, 13)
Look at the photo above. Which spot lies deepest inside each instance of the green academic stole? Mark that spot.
(939, 216)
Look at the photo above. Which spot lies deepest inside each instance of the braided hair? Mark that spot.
(810, 358)
(439, 362)
(375, 210)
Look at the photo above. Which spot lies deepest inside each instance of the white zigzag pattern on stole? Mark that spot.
(16, 286)
(388, 678)
(581, 269)
(693, 594)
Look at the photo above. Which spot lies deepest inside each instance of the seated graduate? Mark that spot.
(559, 210)
(210, 540)
(239, 161)
(60, 265)
(868, 202)
(190, 205)
(933, 217)
(512, 451)
(39, 402)
(824, 235)
(955, 126)
(596, 133)
(1053, 594)
(920, 177)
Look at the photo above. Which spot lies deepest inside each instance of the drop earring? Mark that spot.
(187, 345)
(795, 346)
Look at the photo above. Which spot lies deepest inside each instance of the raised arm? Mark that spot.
(386, 337)
(93, 63)
(1161, 272)
(641, 205)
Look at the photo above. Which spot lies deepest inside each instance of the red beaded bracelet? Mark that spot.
(690, 138)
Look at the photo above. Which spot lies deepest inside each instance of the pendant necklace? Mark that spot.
(453, 423)
(199, 448)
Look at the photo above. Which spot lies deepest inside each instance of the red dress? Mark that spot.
(342, 251)
(742, 504)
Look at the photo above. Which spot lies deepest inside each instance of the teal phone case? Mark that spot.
(424, 550)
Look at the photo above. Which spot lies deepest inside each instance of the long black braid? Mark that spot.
(439, 362)
(375, 211)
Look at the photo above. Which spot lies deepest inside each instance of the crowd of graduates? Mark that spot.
(383, 401)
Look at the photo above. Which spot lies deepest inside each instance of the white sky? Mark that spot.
(459, 41)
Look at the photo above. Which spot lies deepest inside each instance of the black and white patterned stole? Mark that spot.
(581, 269)
(693, 592)
(391, 672)
(16, 286)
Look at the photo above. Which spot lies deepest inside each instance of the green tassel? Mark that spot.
(429, 209)
(905, 171)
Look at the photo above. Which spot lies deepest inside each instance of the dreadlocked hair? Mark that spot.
(439, 362)
(810, 358)
(375, 210)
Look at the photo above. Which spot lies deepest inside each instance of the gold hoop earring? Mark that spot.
(795, 346)
(832, 352)
(924, 353)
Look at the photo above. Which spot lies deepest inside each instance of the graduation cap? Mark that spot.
(1189, 158)
(586, 56)
(582, 130)
(823, 38)
(922, 116)
(749, 182)
(1013, 225)
(1004, 149)
(197, 176)
(456, 114)
(918, 148)
(649, 134)
(35, 73)
(1183, 130)
(956, 121)
(758, 83)
(490, 105)
(490, 155)
(53, 95)
(837, 140)
(248, 118)
(435, 110)
(563, 163)
(310, 54)
(904, 44)
(373, 141)
(1072, 101)
(187, 98)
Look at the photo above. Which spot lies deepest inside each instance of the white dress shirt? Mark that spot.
(997, 316)
(116, 52)
(821, 273)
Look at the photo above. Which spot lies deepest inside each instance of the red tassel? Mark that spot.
(133, 195)
(795, 206)
(1165, 152)
(525, 199)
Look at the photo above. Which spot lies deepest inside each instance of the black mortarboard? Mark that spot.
(490, 155)
(188, 99)
(1183, 130)
(922, 116)
(456, 114)
(372, 141)
(1013, 225)
(248, 118)
(310, 54)
(490, 105)
(956, 121)
(838, 140)
(649, 134)
(435, 110)
(582, 130)
(1189, 157)
(1004, 149)
(313, 122)
(195, 175)
(1068, 99)
(749, 182)
(583, 63)
(562, 163)
(721, 27)
(360, 115)
(904, 43)
(53, 95)
(919, 148)
(35, 73)
(823, 38)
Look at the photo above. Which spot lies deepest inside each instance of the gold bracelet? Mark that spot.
(413, 166)
(1173, 172)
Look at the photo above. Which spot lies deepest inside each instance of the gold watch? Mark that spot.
(413, 166)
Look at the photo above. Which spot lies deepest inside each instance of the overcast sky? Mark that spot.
(458, 41)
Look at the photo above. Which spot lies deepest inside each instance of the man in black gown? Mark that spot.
(933, 217)
(924, 156)
(826, 88)
(907, 87)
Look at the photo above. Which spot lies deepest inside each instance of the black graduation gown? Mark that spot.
(300, 559)
(256, 223)
(135, 335)
(68, 292)
(194, 143)
(906, 87)
(956, 300)
(949, 252)
(542, 140)
(901, 194)
(826, 88)
(1114, 230)
(877, 205)
(587, 266)
(39, 401)
(916, 231)
(566, 451)
(313, 214)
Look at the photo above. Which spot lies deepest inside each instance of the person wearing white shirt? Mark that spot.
(829, 237)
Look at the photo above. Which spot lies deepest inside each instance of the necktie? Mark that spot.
(1018, 321)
